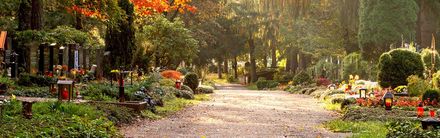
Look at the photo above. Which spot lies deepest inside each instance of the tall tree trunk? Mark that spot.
(274, 55)
(219, 69)
(235, 66)
(289, 60)
(426, 24)
(265, 60)
(78, 23)
(226, 64)
(24, 15)
(252, 60)
(36, 14)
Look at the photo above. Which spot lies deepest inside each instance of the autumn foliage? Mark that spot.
(171, 74)
(91, 8)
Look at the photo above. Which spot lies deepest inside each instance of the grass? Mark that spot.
(174, 105)
(367, 129)
(252, 86)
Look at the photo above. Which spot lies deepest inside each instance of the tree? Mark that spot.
(383, 23)
(171, 42)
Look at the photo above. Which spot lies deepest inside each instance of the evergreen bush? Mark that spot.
(397, 65)
(191, 80)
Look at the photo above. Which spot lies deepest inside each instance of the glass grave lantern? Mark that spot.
(65, 90)
(363, 93)
(388, 100)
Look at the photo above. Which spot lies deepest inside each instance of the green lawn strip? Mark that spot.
(252, 87)
(367, 129)
(172, 106)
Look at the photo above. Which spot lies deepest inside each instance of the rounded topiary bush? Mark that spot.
(205, 89)
(302, 78)
(191, 80)
(395, 66)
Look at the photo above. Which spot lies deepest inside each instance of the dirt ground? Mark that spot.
(236, 112)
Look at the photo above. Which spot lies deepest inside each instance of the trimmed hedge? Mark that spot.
(396, 65)
(192, 80)
(266, 84)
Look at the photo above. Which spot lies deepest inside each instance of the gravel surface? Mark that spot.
(237, 112)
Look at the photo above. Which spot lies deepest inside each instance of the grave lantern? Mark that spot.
(371, 94)
(432, 113)
(363, 93)
(388, 100)
(420, 110)
(65, 90)
(332, 87)
(178, 84)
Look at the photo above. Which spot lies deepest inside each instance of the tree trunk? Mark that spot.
(265, 60)
(274, 55)
(226, 64)
(426, 24)
(289, 60)
(235, 66)
(24, 16)
(78, 23)
(252, 60)
(219, 69)
(36, 15)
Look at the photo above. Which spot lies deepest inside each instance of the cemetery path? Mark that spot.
(234, 111)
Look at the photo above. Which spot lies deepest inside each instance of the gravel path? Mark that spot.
(237, 112)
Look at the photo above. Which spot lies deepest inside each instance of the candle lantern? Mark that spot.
(65, 90)
(388, 100)
(420, 110)
(363, 93)
(332, 87)
(432, 113)
(178, 84)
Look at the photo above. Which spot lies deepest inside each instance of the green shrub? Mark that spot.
(266, 84)
(397, 65)
(33, 92)
(167, 82)
(100, 92)
(432, 94)
(56, 119)
(416, 85)
(184, 87)
(7, 81)
(284, 77)
(436, 79)
(426, 57)
(302, 78)
(186, 94)
(410, 129)
(191, 80)
(203, 89)
(34, 80)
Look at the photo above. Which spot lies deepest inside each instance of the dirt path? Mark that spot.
(237, 112)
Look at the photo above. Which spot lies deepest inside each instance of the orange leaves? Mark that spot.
(148, 7)
(171, 74)
(90, 8)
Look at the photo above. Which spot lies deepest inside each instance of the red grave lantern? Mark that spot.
(420, 111)
(178, 84)
(388, 100)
